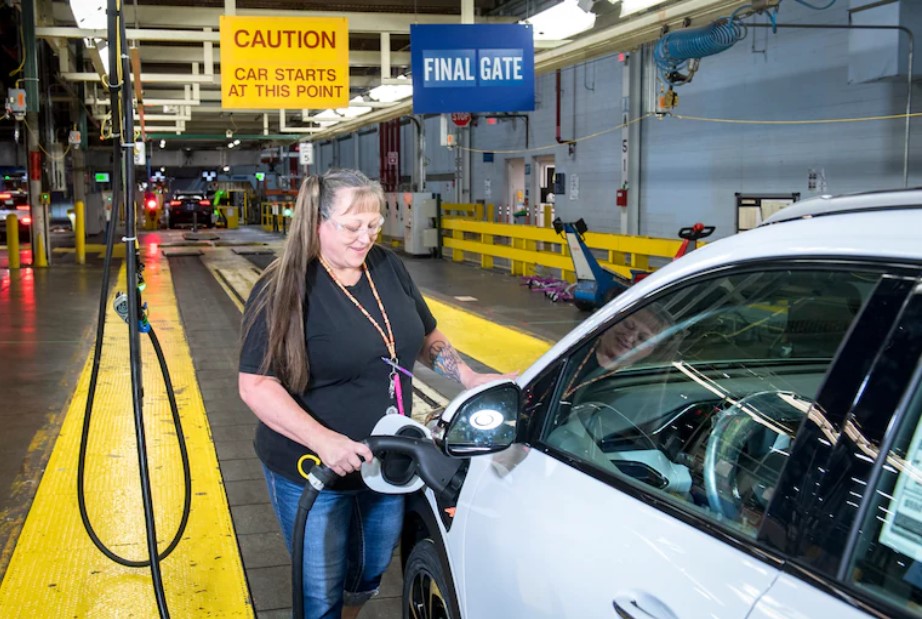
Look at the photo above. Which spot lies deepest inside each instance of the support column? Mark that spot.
(631, 109)
(41, 250)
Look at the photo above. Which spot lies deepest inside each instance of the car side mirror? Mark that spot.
(482, 421)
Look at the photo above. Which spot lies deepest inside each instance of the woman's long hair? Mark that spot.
(281, 300)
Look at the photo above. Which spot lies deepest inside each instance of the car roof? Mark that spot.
(823, 205)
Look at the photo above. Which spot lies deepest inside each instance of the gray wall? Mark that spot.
(692, 169)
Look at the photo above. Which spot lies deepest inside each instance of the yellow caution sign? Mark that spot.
(284, 62)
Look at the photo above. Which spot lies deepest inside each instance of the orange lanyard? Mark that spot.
(388, 338)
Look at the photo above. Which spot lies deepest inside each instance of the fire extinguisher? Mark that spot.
(621, 196)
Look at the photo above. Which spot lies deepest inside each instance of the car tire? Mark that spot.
(427, 592)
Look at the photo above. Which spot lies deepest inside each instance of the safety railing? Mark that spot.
(526, 247)
(275, 216)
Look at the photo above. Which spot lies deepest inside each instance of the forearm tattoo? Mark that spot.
(445, 360)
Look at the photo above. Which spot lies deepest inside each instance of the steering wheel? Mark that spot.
(775, 412)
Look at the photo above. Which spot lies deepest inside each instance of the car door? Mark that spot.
(641, 491)
(856, 547)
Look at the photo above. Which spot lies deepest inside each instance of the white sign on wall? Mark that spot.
(574, 186)
(306, 153)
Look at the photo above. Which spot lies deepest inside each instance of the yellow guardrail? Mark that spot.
(528, 246)
(273, 217)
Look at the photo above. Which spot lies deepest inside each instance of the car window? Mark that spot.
(888, 560)
(698, 395)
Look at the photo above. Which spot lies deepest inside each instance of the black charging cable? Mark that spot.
(129, 307)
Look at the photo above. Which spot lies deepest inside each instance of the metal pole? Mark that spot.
(40, 246)
(911, 46)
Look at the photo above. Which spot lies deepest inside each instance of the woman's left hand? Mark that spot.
(475, 379)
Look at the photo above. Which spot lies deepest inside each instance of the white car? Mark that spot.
(736, 436)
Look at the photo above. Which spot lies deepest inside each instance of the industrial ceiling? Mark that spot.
(175, 44)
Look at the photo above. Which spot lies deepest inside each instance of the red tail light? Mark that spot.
(152, 205)
(175, 202)
(5, 196)
(22, 207)
(27, 221)
(204, 203)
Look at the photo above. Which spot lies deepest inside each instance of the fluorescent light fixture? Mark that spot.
(103, 49)
(89, 14)
(355, 108)
(389, 93)
(561, 21)
(629, 7)
(326, 118)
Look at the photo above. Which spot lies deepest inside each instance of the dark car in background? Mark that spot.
(190, 208)
(16, 203)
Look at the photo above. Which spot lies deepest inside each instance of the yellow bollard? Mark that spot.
(80, 232)
(38, 251)
(12, 240)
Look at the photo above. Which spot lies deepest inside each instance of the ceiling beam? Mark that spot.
(161, 17)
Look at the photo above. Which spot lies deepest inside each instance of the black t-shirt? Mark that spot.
(348, 390)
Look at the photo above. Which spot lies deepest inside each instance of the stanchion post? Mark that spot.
(12, 240)
(38, 242)
(80, 231)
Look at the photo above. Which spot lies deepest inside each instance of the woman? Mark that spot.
(324, 330)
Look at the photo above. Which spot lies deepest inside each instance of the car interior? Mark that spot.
(709, 424)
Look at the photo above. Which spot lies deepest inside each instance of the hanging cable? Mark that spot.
(677, 53)
(129, 306)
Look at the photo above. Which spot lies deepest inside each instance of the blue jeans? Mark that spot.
(349, 539)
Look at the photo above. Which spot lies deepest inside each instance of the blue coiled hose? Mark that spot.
(674, 50)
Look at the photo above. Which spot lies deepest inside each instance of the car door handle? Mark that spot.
(639, 605)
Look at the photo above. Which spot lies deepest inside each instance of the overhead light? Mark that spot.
(230, 145)
(629, 7)
(561, 21)
(326, 118)
(162, 143)
(163, 169)
(236, 142)
(89, 14)
(388, 93)
(355, 108)
(226, 168)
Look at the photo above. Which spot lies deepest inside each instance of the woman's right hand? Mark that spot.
(341, 454)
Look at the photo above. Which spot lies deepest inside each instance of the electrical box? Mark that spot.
(875, 55)
(420, 235)
(393, 216)
(16, 100)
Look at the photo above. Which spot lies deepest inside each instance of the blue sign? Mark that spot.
(472, 68)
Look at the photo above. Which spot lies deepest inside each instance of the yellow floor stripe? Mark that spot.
(55, 570)
(502, 348)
